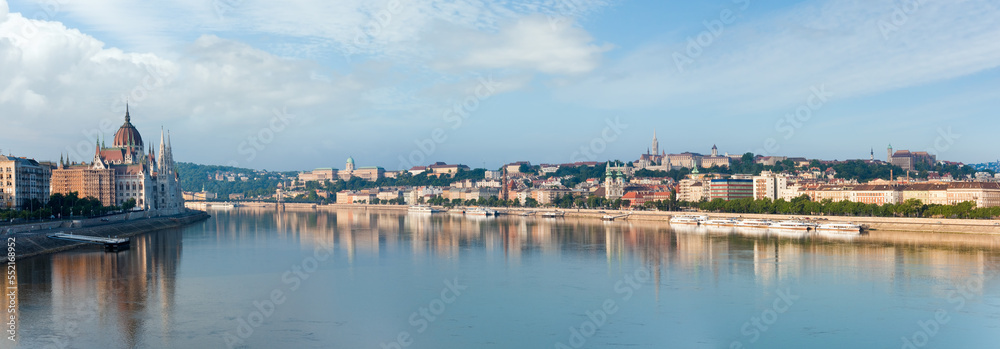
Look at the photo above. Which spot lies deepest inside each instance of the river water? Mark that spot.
(256, 278)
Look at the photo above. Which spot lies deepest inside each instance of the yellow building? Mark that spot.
(984, 194)
(86, 182)
(318, 175)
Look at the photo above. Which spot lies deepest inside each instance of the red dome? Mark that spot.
(127, 135)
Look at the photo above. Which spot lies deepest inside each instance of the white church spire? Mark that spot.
(656, 144)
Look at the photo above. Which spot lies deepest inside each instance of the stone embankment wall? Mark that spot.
(35, 243)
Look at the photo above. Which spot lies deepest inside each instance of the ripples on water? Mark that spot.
(446, 281)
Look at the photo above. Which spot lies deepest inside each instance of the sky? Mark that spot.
(303, 84)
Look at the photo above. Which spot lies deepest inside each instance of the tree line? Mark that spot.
(804, 206)
(195, 177)
(61, 206)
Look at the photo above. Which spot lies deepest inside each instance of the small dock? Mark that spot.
(608, 217)
(110, 244)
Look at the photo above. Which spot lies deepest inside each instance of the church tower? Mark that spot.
(655, 149)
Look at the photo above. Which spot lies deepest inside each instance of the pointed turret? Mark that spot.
(163, 153)
(98, 162)
(655, 149)
(151, 161)
(170, 154)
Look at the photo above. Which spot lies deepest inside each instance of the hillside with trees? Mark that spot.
(195, 177)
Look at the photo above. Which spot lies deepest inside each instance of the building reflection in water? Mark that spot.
(769, 258)
(91, 288)
(766, 257)
(142, 279)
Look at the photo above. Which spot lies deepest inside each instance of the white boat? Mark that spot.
(689, 220)
(480, 211)
(422, 209)
(689, 229)
(836, 235)
(793, 225)
(553, 214)
(719, 222)
(846, 228)
(754, 223)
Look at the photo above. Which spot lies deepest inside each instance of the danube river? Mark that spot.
(256, 278)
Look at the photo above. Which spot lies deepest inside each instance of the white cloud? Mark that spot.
(218, 93)
(60, 88)
(771, 62)
(532, 44)
(395, 30)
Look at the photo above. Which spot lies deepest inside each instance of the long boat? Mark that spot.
(553, 214)
(480, 211)
(793, 225)
(720, 222)
(422, 209)
(846, 228)
(754, 223)
(688, 220)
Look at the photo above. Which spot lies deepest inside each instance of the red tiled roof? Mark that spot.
(974, 185)
(113, 155)
(128, 169)
(631, 195)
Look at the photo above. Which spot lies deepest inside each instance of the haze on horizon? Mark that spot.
(500, 81)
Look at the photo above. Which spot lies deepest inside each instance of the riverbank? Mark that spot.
(899, 224)
(36, 242)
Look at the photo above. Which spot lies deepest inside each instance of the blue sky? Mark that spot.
(307, 83)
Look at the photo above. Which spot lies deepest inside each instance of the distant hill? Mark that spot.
(194, 177)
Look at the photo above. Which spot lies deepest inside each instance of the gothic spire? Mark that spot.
(170, 148)
(128, 119)
(162, 160)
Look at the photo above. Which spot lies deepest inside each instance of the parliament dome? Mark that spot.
(127, 136)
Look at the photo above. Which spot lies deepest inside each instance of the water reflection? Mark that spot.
(129, 299)
(89, 288)
(655, 243)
